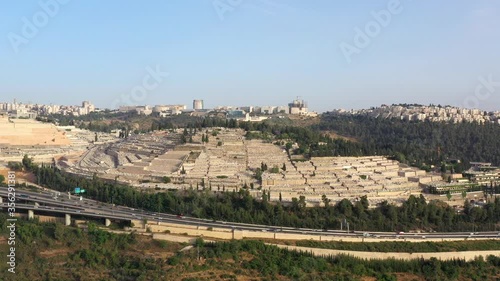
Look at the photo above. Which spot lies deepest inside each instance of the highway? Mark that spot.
(62, 203)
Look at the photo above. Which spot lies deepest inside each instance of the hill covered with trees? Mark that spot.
(419, 143)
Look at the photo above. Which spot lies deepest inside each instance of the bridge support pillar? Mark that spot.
(1, 199)
(107, 222)
(67, 219)
(31, 214)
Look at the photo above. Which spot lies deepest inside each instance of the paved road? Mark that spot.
(57, 202)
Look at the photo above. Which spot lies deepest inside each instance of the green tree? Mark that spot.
(2, 179)
(258, 174)
(274, 170)
(325, 200)
(199, 242)
(263, 166)
(443, 168)
(464, 194)
(27, 162)
(448, 195)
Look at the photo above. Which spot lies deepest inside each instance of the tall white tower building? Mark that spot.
(197, 104)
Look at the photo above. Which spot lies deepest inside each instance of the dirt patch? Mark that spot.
(228, 275)
(334, 135)
(21, 177)
(399, 277)
(304, 121)
(408, 277)
(55, 253)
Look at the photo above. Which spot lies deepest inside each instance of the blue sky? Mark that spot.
(260, 52)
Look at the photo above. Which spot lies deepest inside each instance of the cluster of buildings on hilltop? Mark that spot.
(258, 113)
(246, 113)
(29, 110)
(427, 113)
(159, 110)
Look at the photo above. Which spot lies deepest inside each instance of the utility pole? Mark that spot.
(344, 223)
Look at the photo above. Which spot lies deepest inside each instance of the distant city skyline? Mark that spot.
(187, 107)
(333, 54)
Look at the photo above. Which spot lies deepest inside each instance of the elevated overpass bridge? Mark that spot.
(70, 206)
